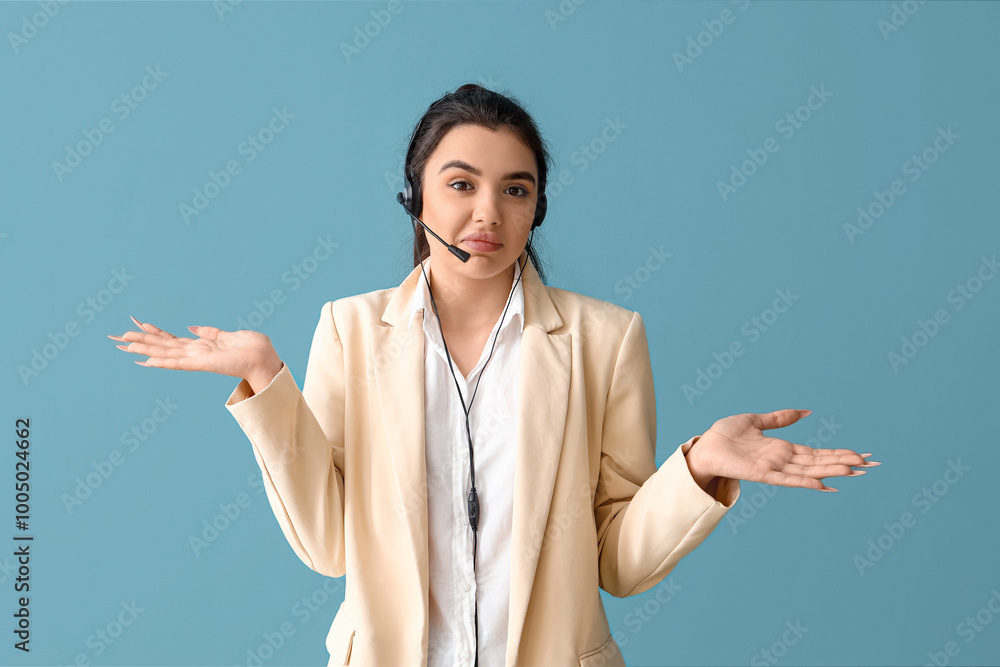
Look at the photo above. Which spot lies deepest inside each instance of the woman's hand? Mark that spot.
(241, 354)
(736, 448)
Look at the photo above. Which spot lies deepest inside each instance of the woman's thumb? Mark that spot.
(211, 333)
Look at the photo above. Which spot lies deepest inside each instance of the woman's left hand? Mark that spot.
(735, 447)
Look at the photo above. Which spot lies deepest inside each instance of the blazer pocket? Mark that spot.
(604, 655)
(340, 639)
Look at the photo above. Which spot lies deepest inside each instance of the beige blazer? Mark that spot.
(343, 466)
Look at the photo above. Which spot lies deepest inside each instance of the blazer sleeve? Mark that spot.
(647, 518)
(298, 441)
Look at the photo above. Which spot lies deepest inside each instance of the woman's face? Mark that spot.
(478, 181)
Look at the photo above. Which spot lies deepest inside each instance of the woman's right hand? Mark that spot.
(242, 354)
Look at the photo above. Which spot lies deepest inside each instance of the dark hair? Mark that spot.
(471, 104)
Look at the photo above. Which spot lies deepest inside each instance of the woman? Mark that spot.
(385, 465)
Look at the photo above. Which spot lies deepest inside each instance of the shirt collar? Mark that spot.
(421, 299)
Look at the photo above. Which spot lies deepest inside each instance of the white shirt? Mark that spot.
(454, 586)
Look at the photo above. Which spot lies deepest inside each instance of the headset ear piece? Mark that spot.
(540, 207)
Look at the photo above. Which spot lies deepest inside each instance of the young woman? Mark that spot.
(480, 531)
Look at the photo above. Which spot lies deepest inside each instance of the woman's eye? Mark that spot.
(521, 188)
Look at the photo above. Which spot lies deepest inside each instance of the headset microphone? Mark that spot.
(457, 252)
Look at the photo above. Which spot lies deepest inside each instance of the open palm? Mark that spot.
(235, 353)
(736, 447)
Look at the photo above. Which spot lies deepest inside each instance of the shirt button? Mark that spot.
(465, 454)
(465, 587)
(465, 654)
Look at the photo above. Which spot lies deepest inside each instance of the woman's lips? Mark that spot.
(483, 246)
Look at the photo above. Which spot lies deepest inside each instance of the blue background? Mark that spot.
(783, 556)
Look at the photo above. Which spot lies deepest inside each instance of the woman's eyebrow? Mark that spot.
(517, 175)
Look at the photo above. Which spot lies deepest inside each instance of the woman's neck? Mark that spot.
(470, 304)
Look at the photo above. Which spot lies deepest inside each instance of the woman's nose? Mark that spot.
(487, 208)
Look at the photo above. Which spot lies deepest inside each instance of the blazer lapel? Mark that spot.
(399, 380)
(542, 402)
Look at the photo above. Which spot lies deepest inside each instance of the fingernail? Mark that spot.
(829, 489)
(137, 322)
(115, 337)
(869, 464)
(855, 473)
(122, 347)
(193, 330)
(139, 362)
(864, 456)
(808, 412)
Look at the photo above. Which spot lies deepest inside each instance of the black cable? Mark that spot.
(473, 500)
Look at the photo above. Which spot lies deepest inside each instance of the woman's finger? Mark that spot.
(154, 339)
(802, 459)
(803, 453)
(777, 478)
(818, 470)
(162, 351)
(178, 364)
(151, 328)
(805, 449)
(776, 419)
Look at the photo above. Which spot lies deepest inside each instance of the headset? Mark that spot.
(409, 199)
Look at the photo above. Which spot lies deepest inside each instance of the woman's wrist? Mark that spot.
(704, 479)
(262, 376)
